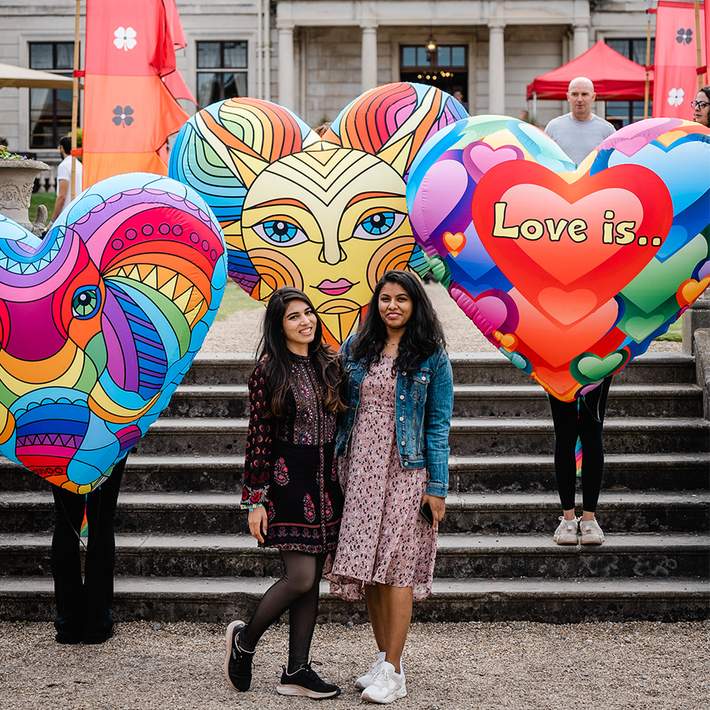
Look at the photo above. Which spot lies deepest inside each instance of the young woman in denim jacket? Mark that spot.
(394, 438)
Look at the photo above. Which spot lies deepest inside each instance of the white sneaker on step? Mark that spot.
(591, 533)
(369, 678)
(566, 533)
(387, 686)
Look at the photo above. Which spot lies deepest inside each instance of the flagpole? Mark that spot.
(75, 97)
(698, 47)
(647, 82)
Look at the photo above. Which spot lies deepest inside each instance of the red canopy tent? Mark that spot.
(615, 77)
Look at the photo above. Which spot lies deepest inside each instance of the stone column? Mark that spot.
(580, 40)
(287, 77)
(369, 56)
(697, 316)
(496, 68)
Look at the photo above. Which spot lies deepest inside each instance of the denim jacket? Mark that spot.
(423, 405)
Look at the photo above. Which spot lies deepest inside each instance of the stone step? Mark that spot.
(485, 435)
(158, 555)
(668, 400)
(164, 473)
(514, 513)
(220, 600)
(487, 368)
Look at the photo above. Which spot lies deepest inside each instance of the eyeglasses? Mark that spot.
(700, 104)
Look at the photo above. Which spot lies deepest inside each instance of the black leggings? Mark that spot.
(85, 606)
(297, 591)
(583, 418)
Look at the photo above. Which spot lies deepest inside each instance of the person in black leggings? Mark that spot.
(84, 607)
(583, 419)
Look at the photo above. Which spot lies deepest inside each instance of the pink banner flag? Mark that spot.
(675, 67)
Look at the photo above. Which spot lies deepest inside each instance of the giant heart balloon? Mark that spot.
(100, 321)
(569, 271)
(329, 215)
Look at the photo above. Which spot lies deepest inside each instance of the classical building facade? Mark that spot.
(315, 55)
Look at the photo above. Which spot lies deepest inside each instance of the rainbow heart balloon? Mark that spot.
(100, 321)
(569, 271)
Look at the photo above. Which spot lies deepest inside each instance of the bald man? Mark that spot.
(579, 131)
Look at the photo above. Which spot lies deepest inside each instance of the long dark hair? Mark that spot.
(423, 333)
(273, 354)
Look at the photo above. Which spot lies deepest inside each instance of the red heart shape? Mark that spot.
(566, 277)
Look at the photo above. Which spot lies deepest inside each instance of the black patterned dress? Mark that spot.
(289, 464)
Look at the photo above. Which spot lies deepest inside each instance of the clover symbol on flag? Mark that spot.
(676, 96)
(684, 35)
(125, 38)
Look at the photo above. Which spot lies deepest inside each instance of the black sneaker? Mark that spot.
(305, 682)
(237, 662)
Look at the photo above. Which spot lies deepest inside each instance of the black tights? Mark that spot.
(297, 591)
(85, 606)
(586, 421)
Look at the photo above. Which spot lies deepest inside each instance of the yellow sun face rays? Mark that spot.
(317, 209)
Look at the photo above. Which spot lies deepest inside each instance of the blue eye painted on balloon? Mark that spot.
(86, 302)
(280, 232)
(379, 225)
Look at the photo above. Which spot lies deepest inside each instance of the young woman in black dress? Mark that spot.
(291, 485)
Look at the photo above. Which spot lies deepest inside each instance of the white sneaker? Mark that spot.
(369, 678)
(566, 533)
(387, 686)
(591, 533)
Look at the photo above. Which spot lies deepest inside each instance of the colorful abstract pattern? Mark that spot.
(100, 321)
(326, 215)
(570, 272)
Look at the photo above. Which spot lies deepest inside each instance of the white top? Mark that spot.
(64, 173)
(578, 138)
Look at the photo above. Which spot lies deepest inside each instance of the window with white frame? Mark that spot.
(50, 109)
(222, 70)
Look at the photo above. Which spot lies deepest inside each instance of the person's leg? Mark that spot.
(565, 420)
(66, 565)
(100, 556)
(375, 598)
(302, 616)
(592, 410)
(298, 578)
(397, 617)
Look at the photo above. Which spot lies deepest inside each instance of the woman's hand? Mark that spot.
(258, 523)
(438, 508)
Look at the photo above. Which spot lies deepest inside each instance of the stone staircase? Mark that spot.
(182, 551)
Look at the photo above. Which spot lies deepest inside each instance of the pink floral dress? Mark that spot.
(383, 539)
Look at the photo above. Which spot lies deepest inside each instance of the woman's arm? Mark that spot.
(437, 422)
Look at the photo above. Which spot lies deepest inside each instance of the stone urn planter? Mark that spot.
(16, 180)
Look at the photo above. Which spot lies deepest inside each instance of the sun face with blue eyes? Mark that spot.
(330, 225)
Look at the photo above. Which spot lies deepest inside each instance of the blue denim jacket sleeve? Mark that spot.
(437, 422)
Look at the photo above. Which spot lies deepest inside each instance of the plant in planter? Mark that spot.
(17, 176)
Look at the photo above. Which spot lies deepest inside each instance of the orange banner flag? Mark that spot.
(131, 86)
(676, 65)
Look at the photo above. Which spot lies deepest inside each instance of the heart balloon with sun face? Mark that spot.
(569, 271)
(326, 214)
(100, 321)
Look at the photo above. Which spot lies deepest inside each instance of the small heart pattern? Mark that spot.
(100, 321)
(570, 272)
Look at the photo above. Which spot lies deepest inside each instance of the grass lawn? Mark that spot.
(675, 332)
(42, 198)
(235, 299)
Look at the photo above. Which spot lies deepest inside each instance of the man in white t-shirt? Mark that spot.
(64, 194)
(579, 131)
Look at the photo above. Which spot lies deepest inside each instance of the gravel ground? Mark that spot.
(239, 332)
(449, 667)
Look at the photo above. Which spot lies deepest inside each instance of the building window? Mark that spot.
(50, 109)
(445, 67)
(221, 71)
(621, 113)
